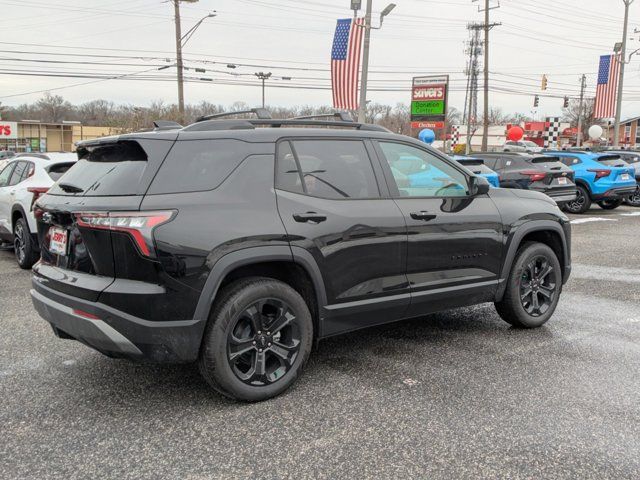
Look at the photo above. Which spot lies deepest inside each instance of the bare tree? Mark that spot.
(571, 114)
(53, 108)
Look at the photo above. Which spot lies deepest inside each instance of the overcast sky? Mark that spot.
(290, 38)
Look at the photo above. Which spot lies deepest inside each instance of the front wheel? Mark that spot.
(582, 202)
(634, 198)
(257, 341)
(533, 287)
(610, 204)
(23, 247)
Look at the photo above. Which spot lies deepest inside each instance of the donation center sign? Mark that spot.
(429, 101)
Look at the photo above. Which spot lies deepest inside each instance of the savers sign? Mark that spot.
(429, 98)
(8, 130)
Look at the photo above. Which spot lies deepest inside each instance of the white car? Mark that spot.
(22, 181)
(525, 146)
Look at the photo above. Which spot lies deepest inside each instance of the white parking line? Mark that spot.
(597, 272)
(592, 219)
(631, 214)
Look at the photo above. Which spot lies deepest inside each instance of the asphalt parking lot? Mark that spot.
(459, 394)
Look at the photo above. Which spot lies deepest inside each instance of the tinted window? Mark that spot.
(569, 161)
(333, 169)
(56, 171)
(419, 173)
(114, 169)
(19, 171)
(288, 176)
(5, 174)
(198, 165)
(612, 161)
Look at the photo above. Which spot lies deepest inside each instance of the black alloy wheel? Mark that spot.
(23, 246)
(581, 203)
(610, 204)
(264, 342)
(538, 286)
(634, 198)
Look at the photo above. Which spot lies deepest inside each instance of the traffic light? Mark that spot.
(543, 86)
(536, 101)
(566, 102)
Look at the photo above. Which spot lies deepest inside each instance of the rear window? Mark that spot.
(59, 169)
(104, 170)
(544, 159)
(612, 161)
(198, 165)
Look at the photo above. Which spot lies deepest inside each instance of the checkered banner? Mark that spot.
(455, 135)
(552, 132)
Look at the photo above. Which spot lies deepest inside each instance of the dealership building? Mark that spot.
(36, 136)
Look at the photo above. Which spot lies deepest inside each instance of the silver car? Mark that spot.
(525, 146)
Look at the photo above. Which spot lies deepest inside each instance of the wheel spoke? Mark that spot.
(285, 318)
(546, 270)
(546, 291)
(259, 366)
(282, 353)
(254, 312)
(239, 347)
(534, 302)
(527, 291)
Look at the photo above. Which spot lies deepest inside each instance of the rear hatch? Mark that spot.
(621, 171)
(554, 177)
(90, 217)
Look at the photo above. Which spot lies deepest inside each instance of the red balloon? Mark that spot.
(515, 133)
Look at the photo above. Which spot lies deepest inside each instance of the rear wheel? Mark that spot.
(582, 202)
(610, 204)
(23, 246)
(634, 198)
(533, 287)
(257, 340)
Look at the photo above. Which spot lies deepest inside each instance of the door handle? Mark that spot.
(309, 217)
(422, 215)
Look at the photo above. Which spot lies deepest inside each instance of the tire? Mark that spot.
(23, 247)
(233, 325)
(610, 204)
(634, 198)
(581, 204)
(519, 308)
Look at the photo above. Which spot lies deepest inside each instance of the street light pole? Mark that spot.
(362, 104)
(583, 85)
(622, 59)
(263, 76)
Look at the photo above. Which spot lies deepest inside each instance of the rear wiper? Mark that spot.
(67, 187)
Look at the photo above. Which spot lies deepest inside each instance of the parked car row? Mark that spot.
(573, 178)
(22, 181)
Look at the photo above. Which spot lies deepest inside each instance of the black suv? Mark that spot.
(542, 173)
(237, 243)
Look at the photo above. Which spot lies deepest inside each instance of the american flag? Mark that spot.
(345, 63)
(607, 89)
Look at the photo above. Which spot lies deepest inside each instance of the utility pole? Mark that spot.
(179, 64)
(487, 26)
(470, 114)
(362, 105)
(622, 60)
(263, 76)
(583, 85)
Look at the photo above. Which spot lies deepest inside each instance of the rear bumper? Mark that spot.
(616, 193)
(563, 197)
(115, 333)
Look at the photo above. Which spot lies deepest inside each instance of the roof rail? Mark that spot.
(166, 125)
(244, 124)
(261, 113)
(341, 116)
(43, 156)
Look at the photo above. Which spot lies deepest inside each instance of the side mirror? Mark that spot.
(478, 186)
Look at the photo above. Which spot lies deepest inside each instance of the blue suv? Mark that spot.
(602, 178)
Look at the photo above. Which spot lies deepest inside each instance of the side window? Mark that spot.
(287, 174)
(198, 165)
(490, 162)
(18, 172)
(335, 169)
(5, 174)
(569, 161)
(419, 173)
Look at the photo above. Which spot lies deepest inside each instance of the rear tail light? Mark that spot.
(37, 193)
(534, 175)
(139, 225)
(600, 172)
(84, 314)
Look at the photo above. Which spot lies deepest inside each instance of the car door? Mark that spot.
(334, 205)
(454, 238)
(5, 202)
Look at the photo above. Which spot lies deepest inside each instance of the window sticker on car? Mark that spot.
(508, 162)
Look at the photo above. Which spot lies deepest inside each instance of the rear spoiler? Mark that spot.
(470, 161)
